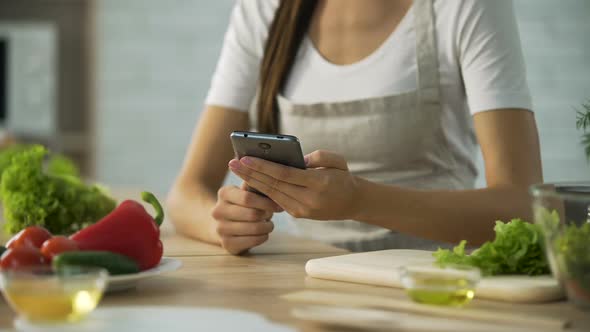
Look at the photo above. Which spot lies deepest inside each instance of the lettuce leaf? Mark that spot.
(572, 247)
(62, 203)
(56, 163)
(517, 249)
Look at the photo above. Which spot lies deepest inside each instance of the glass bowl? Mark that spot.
(43, 295)
(563, 212)
(450, 285)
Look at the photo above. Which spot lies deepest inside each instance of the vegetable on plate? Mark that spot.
(30, 236)
(114, 263)
(125, 241)
(56, 163)
(62, 204)
(128, 230)
(57, 245)
(21, 257)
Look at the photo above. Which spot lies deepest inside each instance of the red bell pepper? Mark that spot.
(128, 230)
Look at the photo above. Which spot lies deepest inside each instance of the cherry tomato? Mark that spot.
(20, 257)
(56, 245)
(32, 235)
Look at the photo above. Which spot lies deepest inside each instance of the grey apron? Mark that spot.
(397, 140)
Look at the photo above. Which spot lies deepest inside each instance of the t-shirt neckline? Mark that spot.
(373, 56)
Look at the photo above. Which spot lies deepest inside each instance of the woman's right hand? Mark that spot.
(242, 218)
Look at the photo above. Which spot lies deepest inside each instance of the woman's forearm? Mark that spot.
(189, 211)
(450, 216)
(194, 193)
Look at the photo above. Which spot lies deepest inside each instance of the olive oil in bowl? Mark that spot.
(451, 286)
(54, 306)
(41, 295)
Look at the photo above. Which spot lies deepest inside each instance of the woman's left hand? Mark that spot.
(326, 190)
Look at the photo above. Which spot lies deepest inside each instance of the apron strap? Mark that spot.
(426, 52)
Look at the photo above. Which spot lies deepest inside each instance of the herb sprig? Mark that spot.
(583, 123)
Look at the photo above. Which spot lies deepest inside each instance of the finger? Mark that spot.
(280, 172)
(247, 199)
(238, 244)
(285, 201)
(327, 159)
(244, 186)
(236, 228)
(228, 211)
(273, 184)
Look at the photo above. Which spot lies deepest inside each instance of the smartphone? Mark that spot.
(281, 149)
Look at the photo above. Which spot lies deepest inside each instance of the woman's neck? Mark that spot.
(346, 31)
(349, 13)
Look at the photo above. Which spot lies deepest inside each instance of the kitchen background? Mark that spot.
(124, 103)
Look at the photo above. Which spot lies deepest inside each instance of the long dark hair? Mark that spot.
(287, 30)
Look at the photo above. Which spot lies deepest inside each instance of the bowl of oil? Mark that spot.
(41, 295)
(446, 286)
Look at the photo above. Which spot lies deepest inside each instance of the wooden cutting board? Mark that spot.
(381, 268)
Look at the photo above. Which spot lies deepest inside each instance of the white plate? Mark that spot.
(127, 281)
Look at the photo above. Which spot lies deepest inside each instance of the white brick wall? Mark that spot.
(557, 49)
(156, 58)
(155, 62)
(556, 46)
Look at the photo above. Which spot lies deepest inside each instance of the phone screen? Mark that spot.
(282, 149)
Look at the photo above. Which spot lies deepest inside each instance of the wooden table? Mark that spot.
(254, 282)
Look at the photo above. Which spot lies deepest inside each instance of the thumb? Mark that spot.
(326, 159)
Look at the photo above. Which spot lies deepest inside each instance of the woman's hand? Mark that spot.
(242, 218)
(326, 190)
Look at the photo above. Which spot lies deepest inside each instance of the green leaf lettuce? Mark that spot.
(61, 203)
(516, 249)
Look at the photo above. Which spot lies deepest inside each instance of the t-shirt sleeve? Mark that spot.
(236, 76)
(491, 56)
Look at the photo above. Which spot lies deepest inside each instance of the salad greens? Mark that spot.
(517, 249)
(60, 202)
(7, 153)
(61, 165)
(56, 164)
(570, 247)
(572, 253)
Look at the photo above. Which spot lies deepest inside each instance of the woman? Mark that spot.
(389, 100)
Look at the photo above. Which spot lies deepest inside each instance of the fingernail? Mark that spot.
(306, 159)
(234, 164)
(247, 161)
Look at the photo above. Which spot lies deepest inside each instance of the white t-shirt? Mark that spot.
(480, 63)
